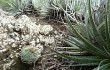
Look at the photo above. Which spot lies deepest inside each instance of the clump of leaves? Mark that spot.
(42, 6)
(3, 4)
(100, 50)
(15, 7)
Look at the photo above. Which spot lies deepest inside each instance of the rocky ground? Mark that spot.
(26, 43)
(19, 36)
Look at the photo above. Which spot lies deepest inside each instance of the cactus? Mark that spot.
(30, 54)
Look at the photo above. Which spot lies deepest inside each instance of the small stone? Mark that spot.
(14, 45)
(46, 29)
(4, 50)
(4, 59)
(55, 56)
(20, 48)
(14, 51)
(11, 56)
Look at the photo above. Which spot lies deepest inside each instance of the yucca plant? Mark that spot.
(15, 7)
(3, 4)
(42, 6)
(67, 5)
(100, 50)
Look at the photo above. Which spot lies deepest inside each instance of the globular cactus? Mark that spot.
(30, 54)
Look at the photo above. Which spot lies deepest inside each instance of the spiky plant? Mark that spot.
(30, 54)
(3, 4)
(68, 5)
(15, 7)
(42, 6)
(100, 50)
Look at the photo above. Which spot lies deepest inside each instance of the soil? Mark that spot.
(51, 61)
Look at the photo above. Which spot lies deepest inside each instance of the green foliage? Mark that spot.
(15, 7)
(45, 6)
(71, 4)
(95, 39)
(57, 3)
(41, 5)
(4, 4)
